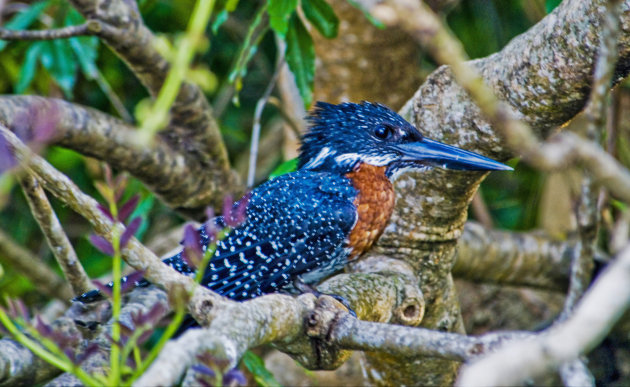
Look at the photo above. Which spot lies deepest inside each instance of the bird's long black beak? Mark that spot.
(436, 153)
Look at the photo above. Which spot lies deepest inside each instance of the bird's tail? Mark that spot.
(176, 262)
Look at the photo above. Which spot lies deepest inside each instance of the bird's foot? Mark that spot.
(303, 287)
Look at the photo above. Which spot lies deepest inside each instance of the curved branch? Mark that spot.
(178, 176)
(55, 236)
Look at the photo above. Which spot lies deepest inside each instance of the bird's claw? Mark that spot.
(303, 287)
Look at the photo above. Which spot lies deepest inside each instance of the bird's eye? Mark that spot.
(383, 131)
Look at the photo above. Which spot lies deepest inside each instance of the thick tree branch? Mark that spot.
(593, 317)
(177, 176)
(55, 236)
(511, 258)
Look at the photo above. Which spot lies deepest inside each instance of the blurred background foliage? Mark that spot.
(85, 71)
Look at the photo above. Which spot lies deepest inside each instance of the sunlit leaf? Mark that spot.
(256, 366)
(322, 16)
(280, 12)
(286, 167)
(550, 5)
(300, 56)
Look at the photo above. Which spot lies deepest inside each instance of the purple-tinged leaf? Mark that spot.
(129, 282)
(130, 230)
(125, 329)
(203, 370)
(156, 312)
(106, 289)
(105, 211)
(228, 202)
(7, 160)
(90, 350)
(193, 251)
(102, 244)
(127, 208)
(22, 310)
(69, 352)
(240, 212)
(234, 377)
(144, 337)
(210, 225)
(43, 328)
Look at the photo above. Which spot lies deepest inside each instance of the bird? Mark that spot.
(304, 226)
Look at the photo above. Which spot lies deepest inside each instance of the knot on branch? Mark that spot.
(319, 324)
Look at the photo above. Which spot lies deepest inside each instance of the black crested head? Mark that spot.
(342, 136)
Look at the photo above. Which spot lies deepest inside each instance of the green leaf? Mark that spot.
(286, 167)
(219, 20)
(85, 48)
(300, 55)
(24, 19)
(322, 16)
(550, 5)
(377, 23)
(27, 72)
(64, 66)
(280, 12)
(231, 5)
(256, 366)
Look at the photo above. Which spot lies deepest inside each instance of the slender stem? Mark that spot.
(115, 358)
(159, 111)
(260, 106)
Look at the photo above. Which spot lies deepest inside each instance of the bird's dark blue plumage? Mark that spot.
(309, 223)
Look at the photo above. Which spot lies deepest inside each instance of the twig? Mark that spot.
(587, 210)
(288, 117)
(55, 236)
(38, 273)
(260, 106)
(91, 27)
(593, 317)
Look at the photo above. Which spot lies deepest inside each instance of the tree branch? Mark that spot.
(511, 258)
(177, 176)
(55, 236)
(92, 27)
